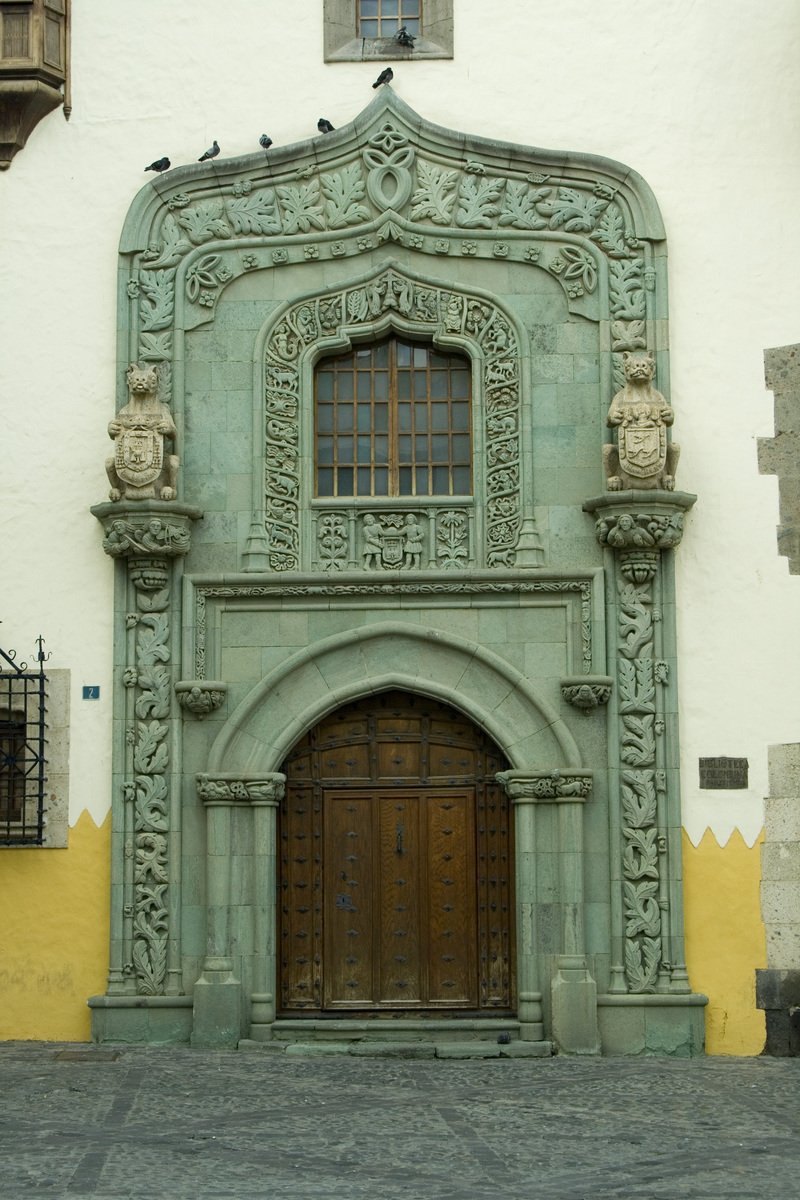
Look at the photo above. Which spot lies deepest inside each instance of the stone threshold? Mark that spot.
(402, 1050)
(394, 1029)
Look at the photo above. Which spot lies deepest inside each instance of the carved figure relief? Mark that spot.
(141, 469)
(391, 541)
(642, 458)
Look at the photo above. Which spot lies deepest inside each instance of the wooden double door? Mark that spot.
(396, 864)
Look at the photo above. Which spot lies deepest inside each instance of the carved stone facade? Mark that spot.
(548, 274)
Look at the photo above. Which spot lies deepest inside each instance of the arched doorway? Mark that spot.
(396, 864)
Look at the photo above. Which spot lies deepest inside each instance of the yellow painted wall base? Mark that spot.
(54, 935)
(725, 939)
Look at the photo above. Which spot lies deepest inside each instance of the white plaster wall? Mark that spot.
(700, 98)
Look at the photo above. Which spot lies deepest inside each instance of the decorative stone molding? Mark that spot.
(200, 696)
(546, 785)
(146, 529)
(587, 692)
(239, 789)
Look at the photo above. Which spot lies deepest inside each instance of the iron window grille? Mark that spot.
(23, 694)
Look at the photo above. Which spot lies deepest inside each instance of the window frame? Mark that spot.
(342, 43)
(395, 433)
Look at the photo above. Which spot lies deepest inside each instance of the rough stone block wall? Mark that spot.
(781, 455)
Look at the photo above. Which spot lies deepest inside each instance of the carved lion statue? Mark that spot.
(642, 457)
(140, 469)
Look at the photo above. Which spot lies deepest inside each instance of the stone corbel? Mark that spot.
(546, 787)
(148, 529)
(200, 696)
(586, 692)
(640, 523)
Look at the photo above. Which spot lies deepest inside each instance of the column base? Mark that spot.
(218, 1006)
(573, 995)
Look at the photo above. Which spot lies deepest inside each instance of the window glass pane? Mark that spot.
(462, 483)
(404, 418)
(421, 448)
(325, 450)
(364, 481)
(459, 417)
(459, 384)
(438, 360)
(344, 481)
(325, 418)
(364, 418)
(441, 481)
(345, 448)
(364, 449)
(381, 418)
(440, 448)
(421, 488)
(344, 418)
(412, 26)
(440, 384)
(380, 355)
(368, 8)
(420, 418)
(403, 385)
(404, 449)
(344, 386)
(381, 484)
(380, 450)
(380, 385)
(324, 385)
(404, 481)
(420, 356)
(420, 385)
(369, 29)
(325, 481)
(459, 448)
(403, 355)
(439, 416)
(364, 385)
(389, 8)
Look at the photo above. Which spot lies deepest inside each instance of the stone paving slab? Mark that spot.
(142, 1123)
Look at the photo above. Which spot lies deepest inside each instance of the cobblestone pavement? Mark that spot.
(77, 1122)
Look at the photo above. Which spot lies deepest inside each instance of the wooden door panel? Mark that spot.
(399, 901)
(450, 827)
(348, 903)
(301, 900)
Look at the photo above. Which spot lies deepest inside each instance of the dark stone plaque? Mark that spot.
(723, 773)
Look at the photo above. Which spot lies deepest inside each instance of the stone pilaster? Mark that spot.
(639, 530)
(148, 539)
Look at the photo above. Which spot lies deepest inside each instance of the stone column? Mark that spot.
(149, 539)
(573, 991)
(220, 1016)
(639, 530)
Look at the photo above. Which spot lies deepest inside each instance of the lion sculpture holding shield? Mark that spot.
(642, 457)
(140, 468)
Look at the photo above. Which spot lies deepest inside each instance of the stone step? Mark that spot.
(403, 1050)
(457, 1029)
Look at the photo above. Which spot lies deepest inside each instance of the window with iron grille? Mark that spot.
(22, 751)
(393, 419)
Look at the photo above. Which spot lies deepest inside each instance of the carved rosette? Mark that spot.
(147, 536)
(560, 784)
(639, 527)
(200, 696)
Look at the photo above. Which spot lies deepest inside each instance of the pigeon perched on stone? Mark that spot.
(265, 141)
(404, 37)
(161, 164)
(385, 77)
(324, 126)
(211, 152)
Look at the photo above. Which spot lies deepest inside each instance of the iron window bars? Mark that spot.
(22, 749)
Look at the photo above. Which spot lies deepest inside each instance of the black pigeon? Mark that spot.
(385, 77)
(265, 141)
(404, 37)
(161, 164)
(324, 126)
(211, 152)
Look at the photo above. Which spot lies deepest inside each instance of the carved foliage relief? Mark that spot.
(477, 323)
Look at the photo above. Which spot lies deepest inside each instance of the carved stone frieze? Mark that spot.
(561, 784)
(230, 789)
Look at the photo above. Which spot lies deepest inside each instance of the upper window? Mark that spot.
(357, 30)
(393, 419)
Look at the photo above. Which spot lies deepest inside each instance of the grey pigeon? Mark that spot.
(324, 126)
(385, 77)
(211, 152)
(404, 37)
(265, 141)
(161, 164)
